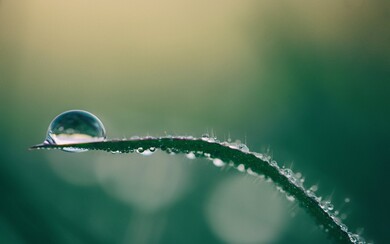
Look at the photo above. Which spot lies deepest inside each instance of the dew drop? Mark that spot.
(149, 151)
(273, 163)
(343, 227)
(311, 194)
(259, 155)
(218, 162)
(326, 205)
(243, 147)
(290, 198)
(191, 155)
(251, 172)
(241, 168)
(355, 238)
(314, 188)
(287, 172)
(75, 126)
(205, 137)
(347, 200)
(207, 155)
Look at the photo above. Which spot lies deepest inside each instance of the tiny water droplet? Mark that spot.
(251, 172)
(355, 238)
(287, 172)
(259, 155)
(218, 162)
(290, 198)
(314, 188)
(273, 163)
(148, 152)
(140, 150)
(205, 137)
(191, 155)
(347, 200)
(336, 220)
(243, 147)
(75, 126)
(241, 168)
(234, 145)
(326, 205)
(310, 193)
(280, 189)
(343, 227)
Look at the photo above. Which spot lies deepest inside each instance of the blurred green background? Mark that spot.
(308, 80)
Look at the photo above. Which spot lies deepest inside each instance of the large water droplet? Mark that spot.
(75, 126)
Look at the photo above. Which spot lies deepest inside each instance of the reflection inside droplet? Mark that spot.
(75, 126)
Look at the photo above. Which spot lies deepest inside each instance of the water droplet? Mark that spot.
(259, 155)
(149, 151)
(241, 168)
(218, 162)
(336, 220)
(355, 238)
(343, 227)
(280, 189)
(243, 147)
(310, 194)
(191, 155)
(251, 172)
(205, 137)
(347, 200)
(234, 145)
(75, 126)
(314, 188)
(140, 150)
(290, 198)
(326, 205)
(287, 172)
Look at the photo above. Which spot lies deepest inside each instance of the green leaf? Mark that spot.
(237, 156)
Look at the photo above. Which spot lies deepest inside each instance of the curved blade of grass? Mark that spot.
(252, 162)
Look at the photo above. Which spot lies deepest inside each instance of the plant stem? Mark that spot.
(229, 153)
